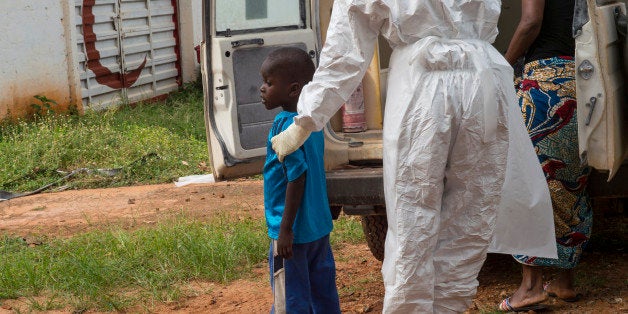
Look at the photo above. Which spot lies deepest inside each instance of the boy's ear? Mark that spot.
(295, 89)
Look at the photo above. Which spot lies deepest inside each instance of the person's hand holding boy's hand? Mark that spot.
(284, 243)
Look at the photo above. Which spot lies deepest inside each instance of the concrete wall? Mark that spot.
(34, 53)
(190, 35)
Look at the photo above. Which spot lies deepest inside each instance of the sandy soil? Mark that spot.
(601, 275)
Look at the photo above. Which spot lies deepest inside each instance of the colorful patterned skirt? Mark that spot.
(548, 104)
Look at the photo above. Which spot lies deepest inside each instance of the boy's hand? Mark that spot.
(284, 243)
(288, 141)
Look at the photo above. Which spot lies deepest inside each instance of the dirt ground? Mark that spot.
(601, 275)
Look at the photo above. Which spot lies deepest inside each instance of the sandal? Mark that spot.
(505, 306)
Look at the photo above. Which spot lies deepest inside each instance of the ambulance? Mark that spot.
(239, 34)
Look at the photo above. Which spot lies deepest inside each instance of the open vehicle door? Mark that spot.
(600, 31)
(238, 35)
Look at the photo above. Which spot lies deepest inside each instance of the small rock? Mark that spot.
(6, 307)
(222, 195)
(32, 241)
(616, 301)
(131, 201)
(187, 199)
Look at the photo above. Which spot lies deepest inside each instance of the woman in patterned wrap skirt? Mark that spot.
(547, 97)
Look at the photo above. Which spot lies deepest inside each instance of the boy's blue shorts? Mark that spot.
(309, 277)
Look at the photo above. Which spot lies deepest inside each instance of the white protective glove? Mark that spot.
(288, 141)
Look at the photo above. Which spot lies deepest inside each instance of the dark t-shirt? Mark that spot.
(555, 38)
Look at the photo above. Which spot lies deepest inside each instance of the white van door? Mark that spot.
(238, 35)
(600, 83)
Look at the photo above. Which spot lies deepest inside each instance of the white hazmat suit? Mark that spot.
(451, 126)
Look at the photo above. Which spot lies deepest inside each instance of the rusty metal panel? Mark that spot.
(98, 52)
(150, 41)
(127, 50)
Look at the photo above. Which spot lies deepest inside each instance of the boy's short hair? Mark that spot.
(292, 63)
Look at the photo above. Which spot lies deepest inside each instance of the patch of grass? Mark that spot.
(347, 229)
(114, 269)
(34, 152)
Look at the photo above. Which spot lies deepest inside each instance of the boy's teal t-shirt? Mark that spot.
(313, 219)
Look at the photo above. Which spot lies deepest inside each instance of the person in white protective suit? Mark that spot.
(448, 129)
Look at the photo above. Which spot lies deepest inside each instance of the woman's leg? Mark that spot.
(563, 286)
(531, 289)
(548, 106)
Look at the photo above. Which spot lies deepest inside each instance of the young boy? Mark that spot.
(302, 268)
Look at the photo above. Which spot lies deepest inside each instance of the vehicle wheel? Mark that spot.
(374, 227)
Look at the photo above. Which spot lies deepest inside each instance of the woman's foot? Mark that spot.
(529, 293)
(562, 287)
(525, 297)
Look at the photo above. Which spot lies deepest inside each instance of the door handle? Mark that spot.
(245, 42)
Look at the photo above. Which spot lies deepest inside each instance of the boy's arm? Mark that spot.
(294, 194)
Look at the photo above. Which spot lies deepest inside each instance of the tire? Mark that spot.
(374, 227)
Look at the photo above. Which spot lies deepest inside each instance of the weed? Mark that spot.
(46, 106)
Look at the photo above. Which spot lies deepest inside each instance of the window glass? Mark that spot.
(238, 16)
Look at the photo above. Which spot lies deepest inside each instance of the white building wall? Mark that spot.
(191, 35)
(34, 54)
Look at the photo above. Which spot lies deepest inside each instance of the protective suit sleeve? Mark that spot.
(346, 55)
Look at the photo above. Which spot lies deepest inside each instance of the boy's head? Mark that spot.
(284, 73)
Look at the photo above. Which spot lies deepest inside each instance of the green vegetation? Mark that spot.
(115, 269)
(169, 134)
(347, 229)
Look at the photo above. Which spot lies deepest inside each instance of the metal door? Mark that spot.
(600, 84)
(238, 36)
(127, 50)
